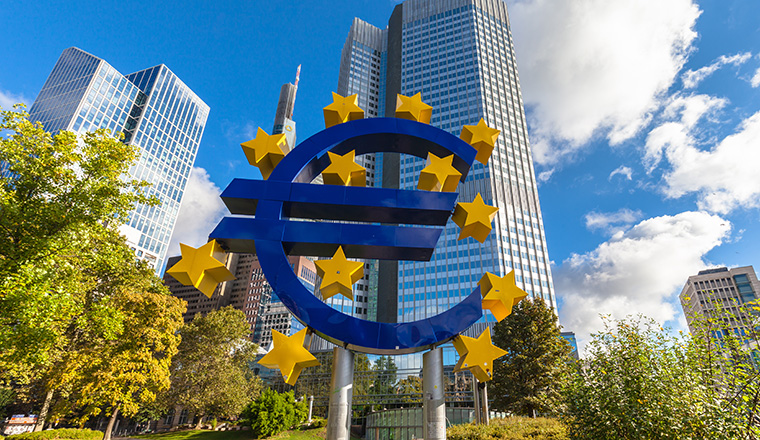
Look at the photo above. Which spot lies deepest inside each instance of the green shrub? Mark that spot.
(316, 422)
(62, 434)
(512, 428)
(273, 413)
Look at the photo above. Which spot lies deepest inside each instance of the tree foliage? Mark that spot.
(78, 314)
(529, 377)
(53, 185)
(273, 413)
(641, 382)
(211, 375)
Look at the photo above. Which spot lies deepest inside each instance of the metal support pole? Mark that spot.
(476, 399)
(486, 415)
(311, 406)
(341, 392)
(434, 405)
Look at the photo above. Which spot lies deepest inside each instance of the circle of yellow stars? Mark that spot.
(204, 269)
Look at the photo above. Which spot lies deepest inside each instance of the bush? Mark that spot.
(273, 413)
(316, 422)
(62, 434)
(512, 428)
(641, 382)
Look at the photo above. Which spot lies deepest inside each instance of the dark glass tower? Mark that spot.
(459, 54)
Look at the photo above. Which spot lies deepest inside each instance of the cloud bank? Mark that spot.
(199, 213)
(640, 270)
(595, 66)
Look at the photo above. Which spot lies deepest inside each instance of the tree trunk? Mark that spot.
(109, 428)
(200, 421)
(44, 412)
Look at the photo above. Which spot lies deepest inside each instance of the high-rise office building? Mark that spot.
(156, 112)
(729, 288)
(459, 54)
(283, 117)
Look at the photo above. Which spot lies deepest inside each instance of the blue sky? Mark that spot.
(643, 115)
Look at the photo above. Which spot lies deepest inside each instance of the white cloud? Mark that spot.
(8, 99)
(199, 213)
(638, 271)
(725, 177)
(545, 175)
(597, 66)
(692, 78)
(612, 221)
(755, 81)
(623, 171)
(681, 115)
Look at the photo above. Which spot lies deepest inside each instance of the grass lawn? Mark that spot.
(314, 434)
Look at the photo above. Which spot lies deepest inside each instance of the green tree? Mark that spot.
(70, 289)
(640, 382)
(133, 368)
(273, 413)
(410, 389)
(528, 379)
(211, 374)
(56, 194)
(384, 374)
(52, 185)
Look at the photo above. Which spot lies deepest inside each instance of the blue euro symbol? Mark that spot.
(387, 224)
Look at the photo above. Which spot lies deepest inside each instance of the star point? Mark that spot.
(289, 355)
(477, 355)
(439, 174)
(344, 171)
(482, 138)
(338, 275)
(412, 108)
(342, 109)
(265, 151)
(474, 219)
(201, 268)
(500, 294)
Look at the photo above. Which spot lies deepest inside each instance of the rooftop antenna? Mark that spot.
(298, 77)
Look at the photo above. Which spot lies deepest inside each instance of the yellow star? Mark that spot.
(338, 275)
(477, 355)
(482, 138)
(343, 170)
(289, 356)
(202, 267)
(439, 174)
(500, 294)
(412, 108)
(265, 151)
(342, 109)
(474, 219)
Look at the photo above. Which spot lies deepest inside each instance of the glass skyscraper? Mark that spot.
(459, 54)
(156, 112)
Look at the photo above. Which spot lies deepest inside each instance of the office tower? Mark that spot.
(730, 288)
(283, 118)
(156, 112)
(459, 54)
(249, 292)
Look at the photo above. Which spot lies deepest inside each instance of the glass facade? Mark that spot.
(361, 73)
(154, 110)
(459, 54)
